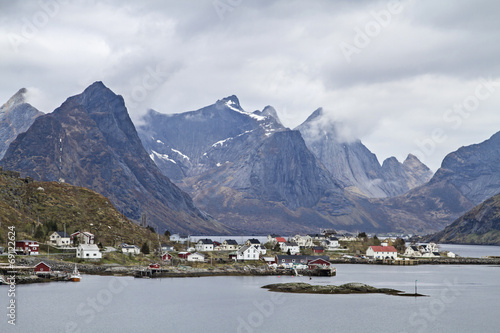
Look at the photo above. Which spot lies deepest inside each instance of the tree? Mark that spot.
(150, 228)
(167, 234)
(363, 236)
(400, 245)
(39, 234)
(145, 248)
(376, 241)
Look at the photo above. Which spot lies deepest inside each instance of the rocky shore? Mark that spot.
(348, 288)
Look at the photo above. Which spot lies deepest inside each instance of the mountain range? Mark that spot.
(241, 171)
(90, 141)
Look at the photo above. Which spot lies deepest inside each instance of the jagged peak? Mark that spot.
(412, 159)
(18, 98)
(390, 160)
(268, 111)
(230, 101)
(318, 113)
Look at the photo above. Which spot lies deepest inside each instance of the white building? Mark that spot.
(205, 245)
(179, 238)
(60, 238)
(130, 249)
(88, 251)
(198, 257)
(83, 237)
(290, 246)
(412, 251)
(229, 245)
(382, 252)
(304, 241)
(248, 253)
(331, 243)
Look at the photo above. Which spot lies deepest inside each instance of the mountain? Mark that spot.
(16, 116)
(466, 178)
(251, 173)
(90, 141)
(349, 161)
(480, 225)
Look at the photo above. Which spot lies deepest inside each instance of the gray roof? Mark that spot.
(254, 241)
(205, 241)
(231, 242)
(62, 234)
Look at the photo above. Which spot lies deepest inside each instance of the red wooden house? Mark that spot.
(166, 257)
(318, 249)
(319, 263)
(42, 268)
(183, 255)
(28, 247)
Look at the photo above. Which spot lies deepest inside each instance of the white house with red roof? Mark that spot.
(382, 252)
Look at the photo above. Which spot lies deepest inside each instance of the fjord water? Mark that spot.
(462, 298)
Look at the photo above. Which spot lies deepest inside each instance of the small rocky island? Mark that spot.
(348, 288)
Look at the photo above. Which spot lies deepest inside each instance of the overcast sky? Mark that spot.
(419, 77)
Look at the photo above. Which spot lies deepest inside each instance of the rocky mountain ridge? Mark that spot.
(90, 141)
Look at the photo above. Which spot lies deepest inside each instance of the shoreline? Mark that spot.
(226, 270)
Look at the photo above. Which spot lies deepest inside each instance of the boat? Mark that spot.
(75, 276)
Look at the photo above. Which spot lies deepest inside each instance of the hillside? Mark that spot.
(480, 225)
(37, 208)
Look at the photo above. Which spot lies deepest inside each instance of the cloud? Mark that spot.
(173, 56)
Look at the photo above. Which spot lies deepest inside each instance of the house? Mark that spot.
(60, 238)
(130, 249)
(154, 266)
(217, 246)
(319, 263)
(291, 247)
(329, 232)
(451, 255)
(183, 255)
(205, 245)
(303, 241)
(27, 247)
(82, 237)
(318, 249)
(269, 260)
(348, 238)
(247, 252)
(198, 257)
(317, 237)
(42, 268)
(166, 248)
(233, 255)
(262, 249)
(273, 239)
(431, 255)
(252, 241)
(229, 245)
(412, 251)
(382, 252)
(182, 239)
(330, 244)
(428, 248)
(166, 256)
(88, 251)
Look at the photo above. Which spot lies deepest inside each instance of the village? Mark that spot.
(311, 254)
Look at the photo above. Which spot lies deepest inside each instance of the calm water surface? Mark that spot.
(462, 299)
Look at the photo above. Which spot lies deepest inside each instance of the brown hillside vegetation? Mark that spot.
(36, 209)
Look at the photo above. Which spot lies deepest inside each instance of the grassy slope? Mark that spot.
(27, 207)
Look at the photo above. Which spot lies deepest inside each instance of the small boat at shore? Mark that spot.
(75, 276)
